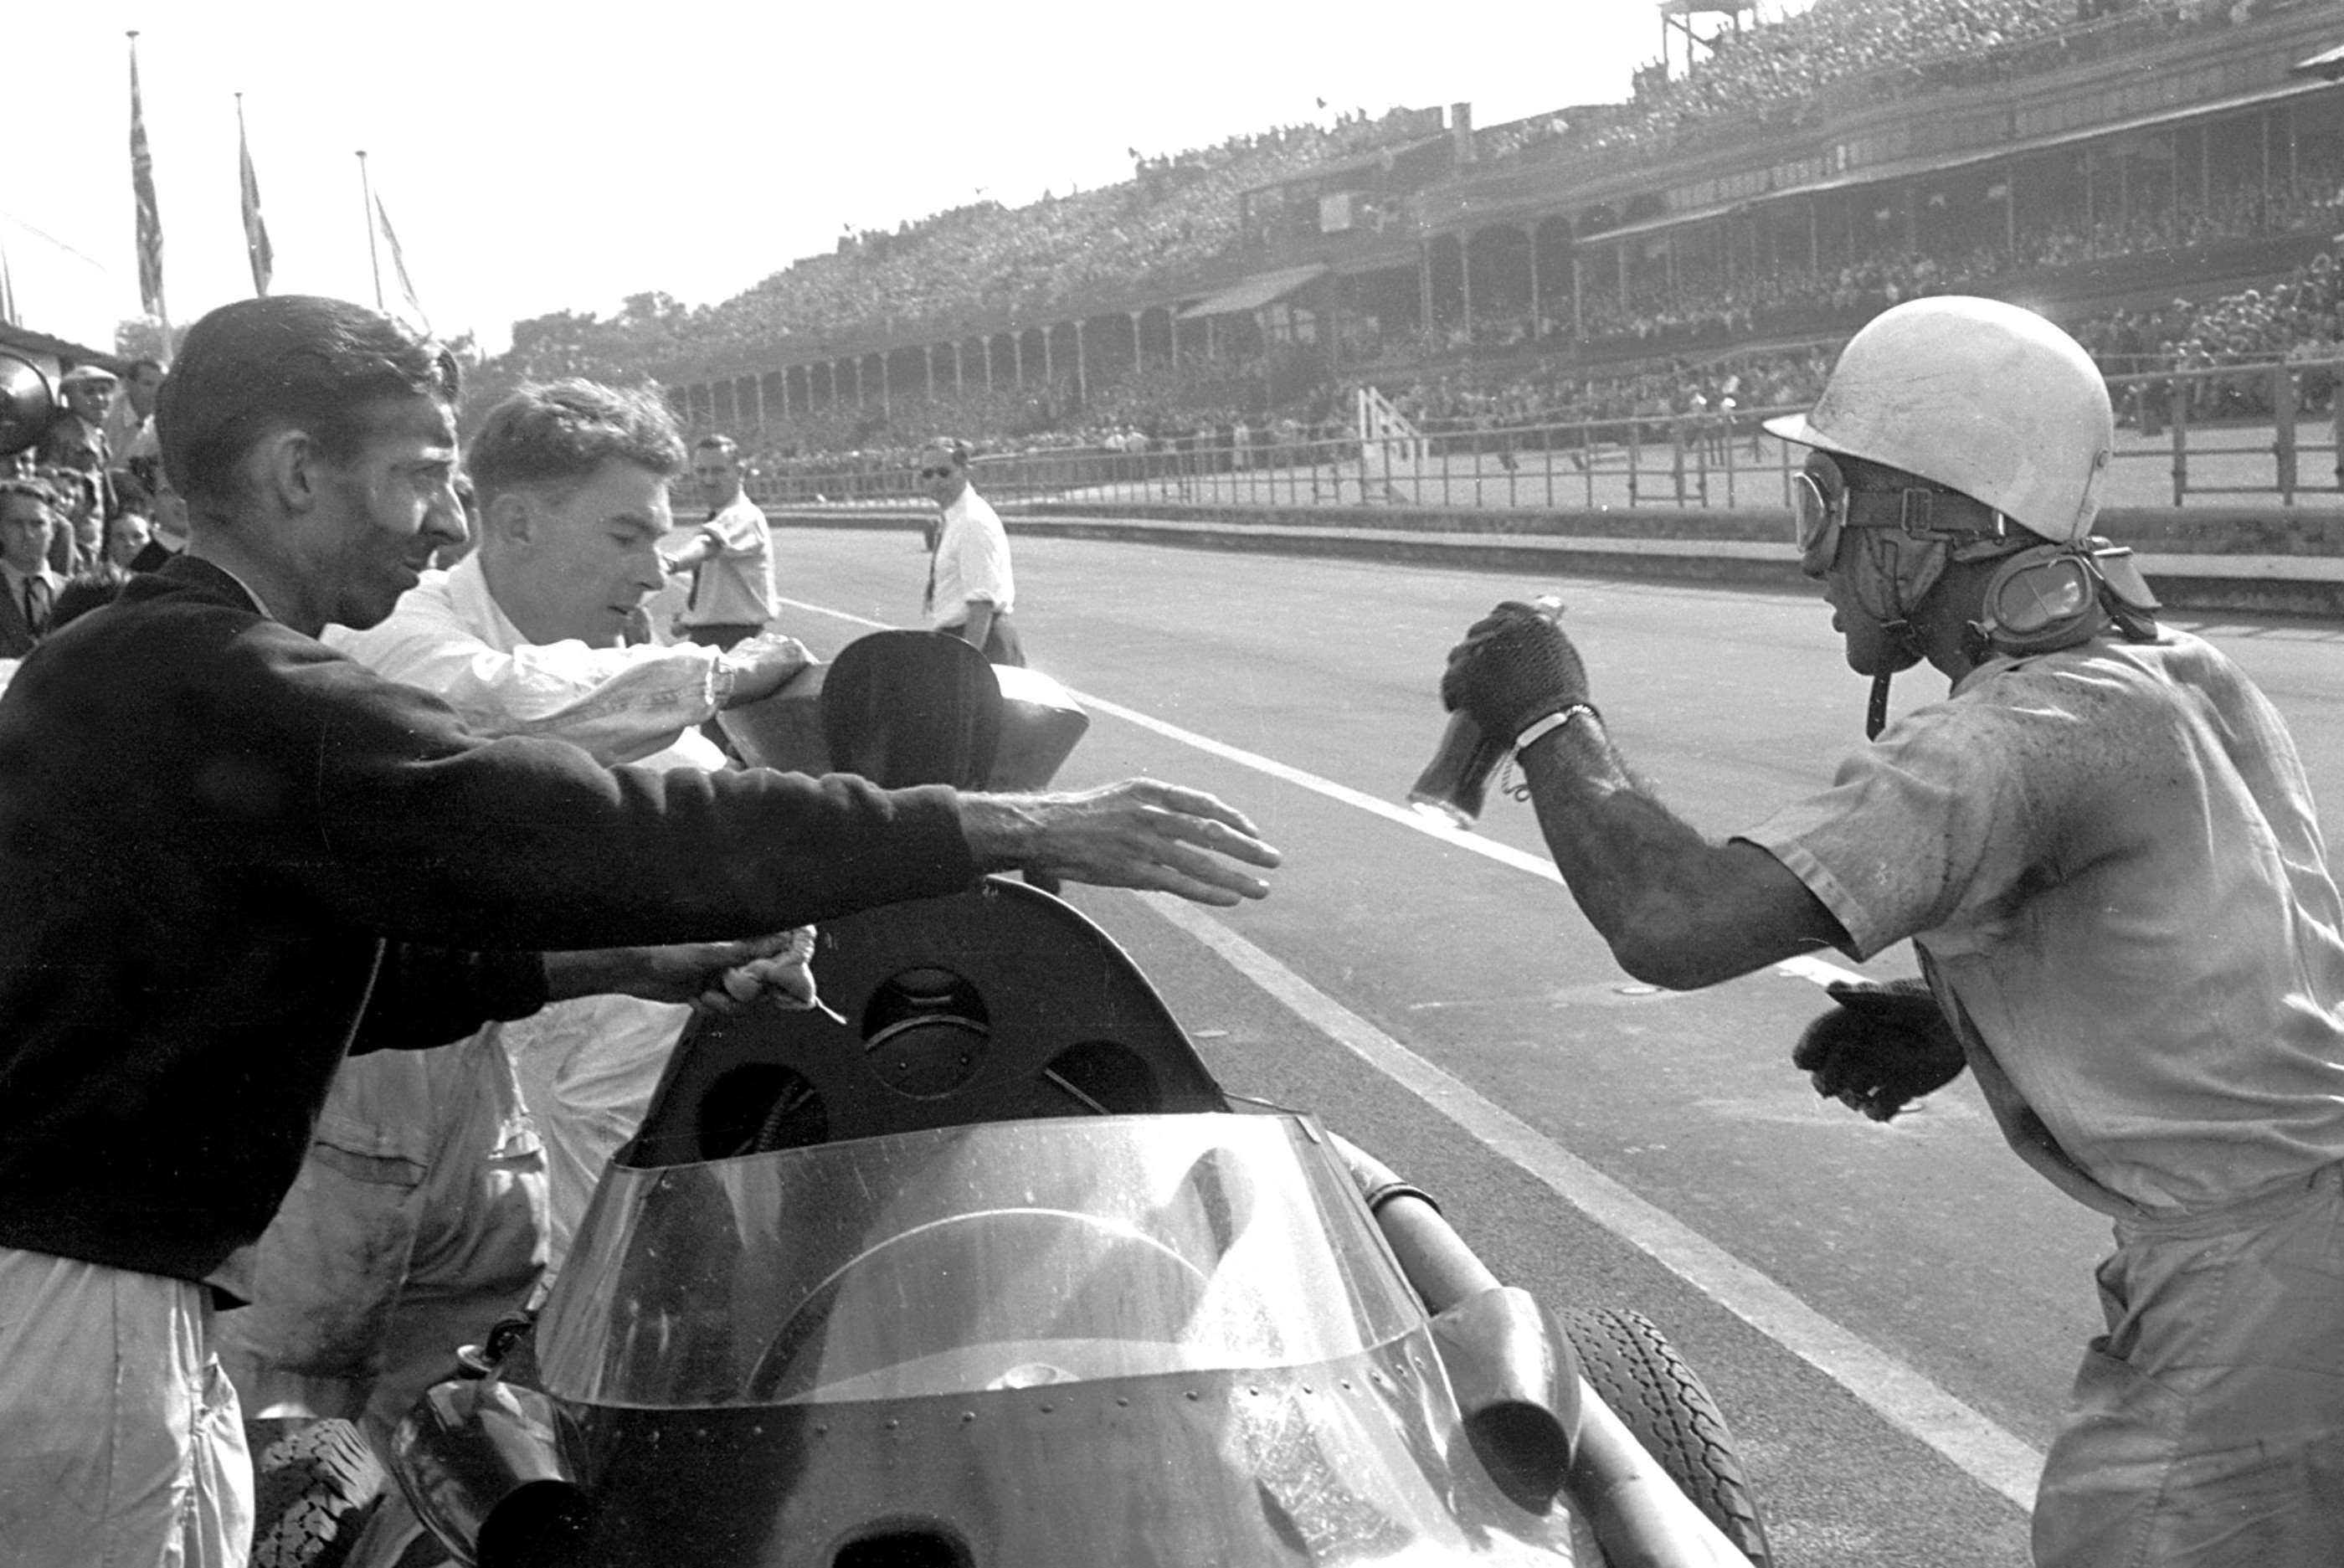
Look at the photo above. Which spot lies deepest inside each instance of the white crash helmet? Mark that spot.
(1981, 397)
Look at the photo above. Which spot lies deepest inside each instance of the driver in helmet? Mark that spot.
(2102, 845)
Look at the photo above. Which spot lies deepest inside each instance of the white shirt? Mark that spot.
(448, 636)
(2108, 859)
(971, 562)
(587, 1068)
(734, 586)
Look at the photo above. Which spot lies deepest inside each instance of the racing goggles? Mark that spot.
(1823, 507)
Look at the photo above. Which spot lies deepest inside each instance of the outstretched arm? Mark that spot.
(1678, 909)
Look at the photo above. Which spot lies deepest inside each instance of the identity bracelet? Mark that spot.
(1553, 722)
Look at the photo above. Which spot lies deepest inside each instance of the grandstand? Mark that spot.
(2157, 174)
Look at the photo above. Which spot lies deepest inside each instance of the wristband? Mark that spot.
(1553, 722)
(722, 674)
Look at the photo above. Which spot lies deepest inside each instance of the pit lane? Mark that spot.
(1958, 1277)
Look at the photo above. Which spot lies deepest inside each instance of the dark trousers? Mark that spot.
(1001, 644)
(720, 636)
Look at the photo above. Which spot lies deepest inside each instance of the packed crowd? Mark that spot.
(2301, 318)
(1174, 219)
(84, 503)
(1775, 74)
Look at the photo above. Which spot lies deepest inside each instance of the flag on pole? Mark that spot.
(142, 186)
(256, 249)
(398, 267)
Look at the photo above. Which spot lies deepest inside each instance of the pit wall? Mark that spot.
(2249, 559)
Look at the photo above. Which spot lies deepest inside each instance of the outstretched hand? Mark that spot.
(1514, 668)
(1136, 834)
(1884, 1046)
(683, 972)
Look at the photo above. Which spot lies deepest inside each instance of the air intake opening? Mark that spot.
(922, 1548)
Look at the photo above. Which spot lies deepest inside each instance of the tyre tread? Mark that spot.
(1660, 1398)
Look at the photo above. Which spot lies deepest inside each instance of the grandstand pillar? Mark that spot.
(2010, 209)
(1139, 356)
(1537, 317)
(1082, 374)
(1671, 262)
(1621, 250)
(1465, 281)
(986, 347)
(1018, 358)
(956, 382)
(1172, 333)
(1424, 286)
(1049, 369)
(761, 405)
(1578, 287)
(2124, 190)
(2265, 118)
(887, 399)
(1814, 233)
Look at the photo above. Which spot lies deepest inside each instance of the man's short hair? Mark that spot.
(130, 372)
(726, 444)
(554, 435)
(291, 362)
(33, 488)
(952, 447)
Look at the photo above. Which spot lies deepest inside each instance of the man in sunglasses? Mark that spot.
(2102, 848)
(971, 589)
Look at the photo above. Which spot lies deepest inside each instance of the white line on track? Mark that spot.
(1905, 1398)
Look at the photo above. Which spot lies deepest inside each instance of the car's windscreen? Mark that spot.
(1000, 1255)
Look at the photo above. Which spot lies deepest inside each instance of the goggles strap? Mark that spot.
(1875, 711)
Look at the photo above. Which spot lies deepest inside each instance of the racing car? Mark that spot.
(994, 1274)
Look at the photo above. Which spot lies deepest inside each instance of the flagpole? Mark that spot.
(366, 194)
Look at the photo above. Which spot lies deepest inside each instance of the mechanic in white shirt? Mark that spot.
(971, 589)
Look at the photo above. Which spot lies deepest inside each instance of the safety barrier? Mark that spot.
(2190, 438)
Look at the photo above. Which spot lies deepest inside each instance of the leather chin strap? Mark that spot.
(1875, 712)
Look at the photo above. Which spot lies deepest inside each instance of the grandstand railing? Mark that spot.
(2219, 434)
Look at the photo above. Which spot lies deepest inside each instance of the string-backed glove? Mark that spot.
(1513, 669)
(1884, 1046)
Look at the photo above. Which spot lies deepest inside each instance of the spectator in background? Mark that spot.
(128, 533)
(730, 557)
(28, 586)
(971, 591)
(167, 534)
(130, 423)
(76, 439)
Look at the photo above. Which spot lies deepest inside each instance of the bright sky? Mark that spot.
(541, 158)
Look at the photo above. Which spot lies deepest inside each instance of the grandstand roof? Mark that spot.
(2328, 65)
(1908, 168)
(1249, 294)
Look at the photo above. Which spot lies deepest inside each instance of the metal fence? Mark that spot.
(2185, 437)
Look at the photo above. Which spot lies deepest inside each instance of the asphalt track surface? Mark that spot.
(1889, 1315)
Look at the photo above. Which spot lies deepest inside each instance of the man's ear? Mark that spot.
(286, 466)
(511, 515)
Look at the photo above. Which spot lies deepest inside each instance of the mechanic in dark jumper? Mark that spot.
(2104, 848)
(230, 856)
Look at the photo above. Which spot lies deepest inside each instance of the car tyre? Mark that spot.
(1662, 1400)
(315, 1485)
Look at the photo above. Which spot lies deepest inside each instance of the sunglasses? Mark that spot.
(937, 473)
